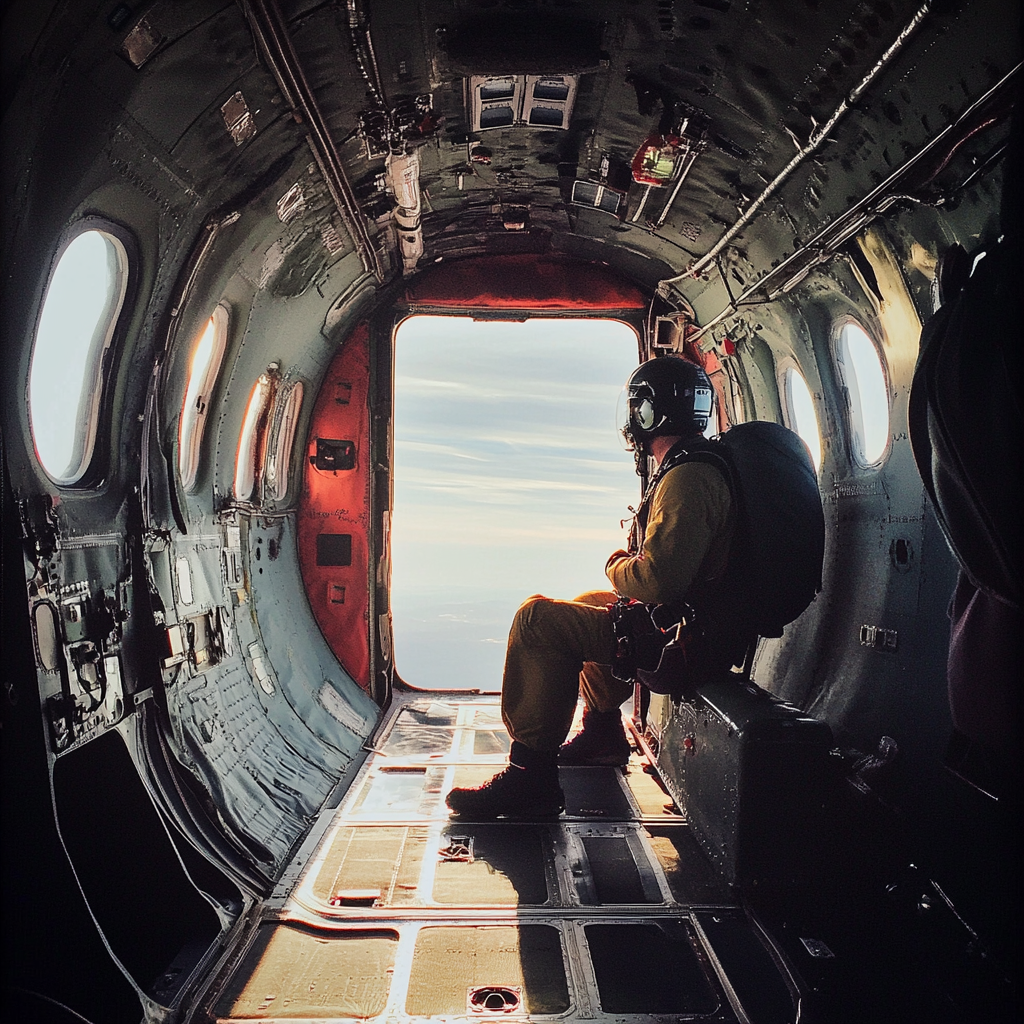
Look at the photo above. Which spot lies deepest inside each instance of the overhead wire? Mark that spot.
(817, 138)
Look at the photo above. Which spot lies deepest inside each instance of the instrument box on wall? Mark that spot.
(754, 776)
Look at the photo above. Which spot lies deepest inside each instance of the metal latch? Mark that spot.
(334, 455)
(458, 850)
(817, 949)
(878, 638)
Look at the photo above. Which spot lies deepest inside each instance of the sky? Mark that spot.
(72, 326)
(803, 418)
(510, 480)
(869, 396)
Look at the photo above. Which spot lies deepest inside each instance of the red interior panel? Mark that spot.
(334, 509)
(523, 282)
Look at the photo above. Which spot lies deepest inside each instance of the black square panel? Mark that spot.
(334, 549)
(595, 793)
(750, 968)
(334, 455)
(615, 874)
(650, 967)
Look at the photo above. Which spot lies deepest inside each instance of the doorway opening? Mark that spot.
(509, 481)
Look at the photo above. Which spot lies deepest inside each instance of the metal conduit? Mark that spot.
(362, 43)
(271, 33)
(813, 143)
(823, 245)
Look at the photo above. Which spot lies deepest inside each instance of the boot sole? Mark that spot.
(595, 762)
(526, 816)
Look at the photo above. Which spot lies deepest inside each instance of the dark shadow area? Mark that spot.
(751, 970)
(594, 793)
(614, 871)
(649, 968)
(133, 881)
(902, 943)
(502, 43)
(52, 953)
(690, 874)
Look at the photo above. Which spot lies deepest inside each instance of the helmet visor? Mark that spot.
(623, 430)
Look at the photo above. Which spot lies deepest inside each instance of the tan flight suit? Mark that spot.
(557, 648)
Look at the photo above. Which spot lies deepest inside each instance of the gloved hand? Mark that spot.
(639, 642)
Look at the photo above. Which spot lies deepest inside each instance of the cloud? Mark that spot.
(508, 476)
(440, 449)
(478, 387)
(407, 385)
(440, 526)
(475, 487)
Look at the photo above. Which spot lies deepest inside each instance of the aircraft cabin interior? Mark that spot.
(224, 776)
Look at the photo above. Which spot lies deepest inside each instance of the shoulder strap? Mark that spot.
(689, 449)
(710, 452)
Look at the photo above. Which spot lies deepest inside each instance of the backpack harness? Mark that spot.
(775, 560)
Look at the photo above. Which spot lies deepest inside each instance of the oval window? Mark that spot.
(860, 367)
(76, 324)
(250, 438)
(279, 466)
(202, 377)
(802, 417)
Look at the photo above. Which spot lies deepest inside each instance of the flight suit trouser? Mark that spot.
(556, 649)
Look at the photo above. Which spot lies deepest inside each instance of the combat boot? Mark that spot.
(601, 741)
(528, 789)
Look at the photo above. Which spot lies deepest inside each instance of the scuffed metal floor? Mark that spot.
(393, 911)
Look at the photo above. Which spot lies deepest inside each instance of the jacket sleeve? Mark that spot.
(687, 537)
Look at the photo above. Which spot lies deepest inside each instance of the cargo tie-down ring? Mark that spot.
(494, 999)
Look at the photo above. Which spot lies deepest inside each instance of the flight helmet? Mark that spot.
(665, 395)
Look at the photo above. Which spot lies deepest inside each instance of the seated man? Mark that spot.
(679, 545)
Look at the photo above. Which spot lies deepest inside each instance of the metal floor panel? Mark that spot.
(591, 916)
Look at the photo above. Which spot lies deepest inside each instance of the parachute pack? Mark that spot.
(779, 546)
(964, 410)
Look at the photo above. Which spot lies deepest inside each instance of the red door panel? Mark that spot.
(334, 509)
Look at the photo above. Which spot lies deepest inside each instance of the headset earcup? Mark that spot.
(644, 414)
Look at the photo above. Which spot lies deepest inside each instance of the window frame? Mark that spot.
(252, 438)
(188, 472)
(281, 451)
(839, 366)
(522, 101)
(90, 467)
(564, 105)
(479, 104)
(785, 368)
